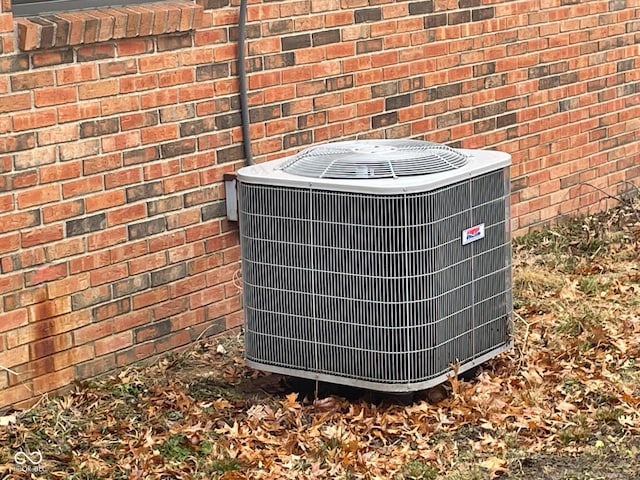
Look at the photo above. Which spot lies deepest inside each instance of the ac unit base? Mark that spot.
(377, 386)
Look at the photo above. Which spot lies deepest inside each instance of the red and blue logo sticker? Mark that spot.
(472, 234)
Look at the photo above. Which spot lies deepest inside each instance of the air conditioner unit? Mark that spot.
(376, 263)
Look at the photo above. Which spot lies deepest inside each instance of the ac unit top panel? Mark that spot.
(376, 166)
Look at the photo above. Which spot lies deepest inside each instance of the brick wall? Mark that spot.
(117, 127)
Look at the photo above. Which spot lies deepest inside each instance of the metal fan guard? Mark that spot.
(369, 159)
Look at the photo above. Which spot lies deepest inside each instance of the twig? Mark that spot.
(43, 398)
(620, 199)
(637, 189)
(624, 201)
(526, 336)
(202, 333)
(453, 377)
(199, 337)
(8, 370)
(237, 279)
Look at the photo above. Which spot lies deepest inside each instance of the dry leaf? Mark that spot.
(7, 420)
(496, 466)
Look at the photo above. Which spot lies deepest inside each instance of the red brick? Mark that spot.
(76, 26)
(58, 172)
(95, 367)
(76, 74)
(162, 169)
(197, 92)
(135, 354)
(149, 262)
(15, 356)
(234, 320)
(221, 242)
(54, 96)
(19, 393)
(204, 263)
(11, 282)
(67, 286)
(92, 332)
(72, 357)
(140, 119)
(71, 113)
(108, 274)
(224, 274)
(34, 158)
(183, 219)
(82, 186)
(123, 177)
(206, 296)
(154, 63)
(151, 297)
(130, 250)
(164, 242)
(176, 77)
(11, 320)
(103, 201)
(564, 135)
(113, 236)
(54, 326)
(41, 236)
(102, 163)
(45, 274)
(48, 309)
(172, 341)
(91, 296)
(6, 203)
(48, 346)
(23, 259)
(170, 308)
(160, 98)
(113, 343)
(126, 214)
(147, 82)
(185, 252)
(117, 68)
(187, 286)
(231, 255)
(132, 319)
(102, 88)
(141, 155)
(114, 105)
(215, 174)
(38, 196)
(53, 381)
(112, 309)
(191, 318)
(15, 102)
(181, 182)
(159, 133)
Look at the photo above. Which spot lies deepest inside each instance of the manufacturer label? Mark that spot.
(472, 234)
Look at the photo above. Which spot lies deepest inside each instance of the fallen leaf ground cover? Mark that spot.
(562, 405)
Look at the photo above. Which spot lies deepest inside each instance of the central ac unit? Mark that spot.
(376, 263)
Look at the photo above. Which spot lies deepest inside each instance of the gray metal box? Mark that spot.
(381, 283)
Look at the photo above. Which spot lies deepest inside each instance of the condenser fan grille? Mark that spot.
(374, 159)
